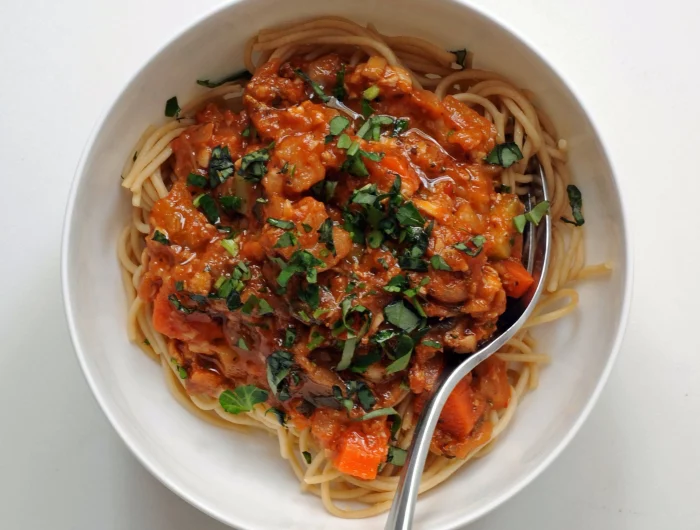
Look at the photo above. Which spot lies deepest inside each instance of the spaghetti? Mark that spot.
(179, 323)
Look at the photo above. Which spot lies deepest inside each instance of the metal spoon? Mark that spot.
(536, 251)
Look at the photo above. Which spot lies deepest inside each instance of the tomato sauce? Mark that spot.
(343, 247)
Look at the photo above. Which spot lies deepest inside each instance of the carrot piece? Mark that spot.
(515, 278)
(359, 453)
(461, 411)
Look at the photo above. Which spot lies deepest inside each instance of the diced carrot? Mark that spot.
(515, 278)
(360, 450)
(492, 382)
(461, 411)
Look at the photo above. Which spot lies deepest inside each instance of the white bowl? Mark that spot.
(240, 478)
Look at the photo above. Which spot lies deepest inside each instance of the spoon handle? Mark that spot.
(401, 513)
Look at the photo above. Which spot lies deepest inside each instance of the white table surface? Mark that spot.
(635, 463)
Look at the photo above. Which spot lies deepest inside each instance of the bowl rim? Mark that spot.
(200, 502)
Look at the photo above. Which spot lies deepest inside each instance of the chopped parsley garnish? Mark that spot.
(326, 235)
(408, 215)
(242, 399)
(339, 91)
(310, 295)
(316, 340)
(439, 264)
(220, 166)
(398, 314)
(175, 301)
(243, 74)
(324, 190)
(207, 205)
(576, 202)
(253, 166)
(172, 108)
(160, 237)
(504, 155)
(314, 86)
(460, 56)
(278, 223)
(197, 180)
(473, 247)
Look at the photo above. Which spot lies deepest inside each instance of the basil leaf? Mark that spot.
(339, 91)
(301, 261)
(503, 189)
(366, 109)
(253, 166)
(439, 264)
(397, 284)
(242, 399)
(504, 155)
(290, 336)
(473, 247)
(160, 237)
(314, 86)
(288, 239)
(400, 126)
(537, 213)
(409, 263)
(193, 179)
(310, 295)
(396, 456)
(220, 166)
(241, 344)
(175, 302)
(519, 221)
(344, 141)
(307, 455)
(279, 414)
(207, 205)
(348, 352)
(250, 304)
(371, 93)
(390, 411)
(231, 203)
(243, 74)
(179, 285)
(398, 314)
(432, 344)
(279, 364)
(460, 56)
(231, 246)
(172, 108)
(338, 124)
(316, 340)
(576, 203)
(278, 223)
(404, 348)
(408, 215)
(326, 235)
(362, 363)
(264, 307)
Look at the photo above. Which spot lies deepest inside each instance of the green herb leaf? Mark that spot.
(279, 414)
(253, 166)
(348, 352)
(389, 411)
(264, 307)
(396, 456)
(504, 155)
(311, 295)
(408, 215)
(231, 246)
(160, 237)
(250, 304)
(301, 261)
(220, 166)
(432, 344)
(398, 314)
(576, 202)
(290, 336)
(172, 108)
(175, 301)
(439, 264)
(243, 74)
(403, 350)
(231, 203)
(520, 221)
(279, 364)
(307, 456)
(503, 189)
(288, 239)
(473, 247)
(338, 124)
(400, 125)
(316, 340)
(360, 365)
(339, 91)
(242, 399)
(537, 213)
(197, 180)
(326, 235)
(207, 205)
(344, 141)
(278, 223)
(460, 56)
(409, 263)
(371, 93)
(366, 109)
(314, 86)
